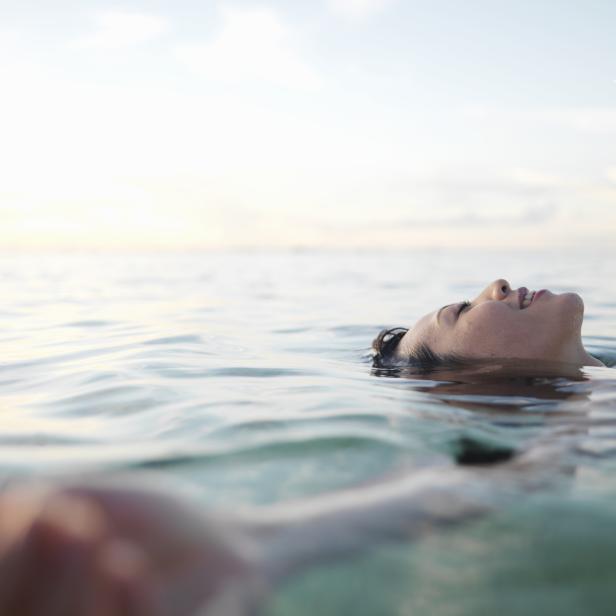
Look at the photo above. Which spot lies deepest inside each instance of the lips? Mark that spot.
(525, 297)
(522, 291)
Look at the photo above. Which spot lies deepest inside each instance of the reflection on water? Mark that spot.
(248, 376)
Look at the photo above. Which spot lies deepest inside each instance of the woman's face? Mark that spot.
(502, 322)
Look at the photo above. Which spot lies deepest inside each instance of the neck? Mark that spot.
(592, 361)
(576, 353)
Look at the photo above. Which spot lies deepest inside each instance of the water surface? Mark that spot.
(247, 376)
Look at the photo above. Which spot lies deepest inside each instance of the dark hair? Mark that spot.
(385, 344)
(384, 348)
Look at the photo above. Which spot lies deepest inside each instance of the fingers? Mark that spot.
(123, 566)
(107, 551)
(57, 558)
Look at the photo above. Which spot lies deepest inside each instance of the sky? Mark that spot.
(326, 124)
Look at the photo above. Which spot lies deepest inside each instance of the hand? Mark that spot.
(111, 550)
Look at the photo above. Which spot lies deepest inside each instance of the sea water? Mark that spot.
(247, 376)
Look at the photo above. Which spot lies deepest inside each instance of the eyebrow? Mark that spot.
(438, 314)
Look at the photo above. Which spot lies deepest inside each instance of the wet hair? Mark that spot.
(385, 344)
(423, 358)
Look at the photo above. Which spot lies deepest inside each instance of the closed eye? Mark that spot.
(462, 307)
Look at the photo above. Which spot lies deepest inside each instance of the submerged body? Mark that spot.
(113, 548)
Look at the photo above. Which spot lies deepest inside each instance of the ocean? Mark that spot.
(247, 376)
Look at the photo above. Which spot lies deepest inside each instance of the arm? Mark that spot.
(298, 535)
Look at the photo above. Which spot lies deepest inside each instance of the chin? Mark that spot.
(573, 301)
(571, 311)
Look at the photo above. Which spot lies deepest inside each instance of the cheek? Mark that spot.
(493, 332)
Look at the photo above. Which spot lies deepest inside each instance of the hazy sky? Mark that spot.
(326, 123)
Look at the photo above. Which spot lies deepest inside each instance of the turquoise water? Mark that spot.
(247, 376)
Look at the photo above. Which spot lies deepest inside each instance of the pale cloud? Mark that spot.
(533, 179)
(506, 187)
(589, 119)
(610, 174)
(358, 9)
(254, 45)
(532, 215)
(121, 29)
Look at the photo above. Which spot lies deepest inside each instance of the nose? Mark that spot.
(498, 290)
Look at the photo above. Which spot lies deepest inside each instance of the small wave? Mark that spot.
(287, 447)
(186, 339)
(115, 400)
(291, 330)
(89, 323)
(246, 371)
(355, 330)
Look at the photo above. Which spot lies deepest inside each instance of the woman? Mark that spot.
(500, 323)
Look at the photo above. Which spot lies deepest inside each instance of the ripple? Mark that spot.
(67, 357)
(113, 400)
(89, 323)
(186, 339)
(43, 440)
(283, 449)
(316, 422)
(249, 372)
(292, 330)
(356, 330)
